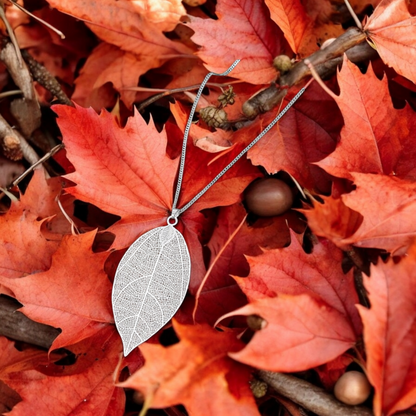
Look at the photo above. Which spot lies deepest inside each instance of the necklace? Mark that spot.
(152, 278)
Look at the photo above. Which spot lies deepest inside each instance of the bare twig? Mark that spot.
(310, 396)
(166, 92)
(325, 61)
(9, 140)
(37, 163)
(9, 93)
(46, 79)
(58, 32)
(25, 110)
(27, 150)
(12, 36)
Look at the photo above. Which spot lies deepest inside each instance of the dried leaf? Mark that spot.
(74, 294)
(388, 207)
(243, 31)
(389, 333)
(197, 373)
(376, 137)
(300, 333)
(290, 16)
(393, 30)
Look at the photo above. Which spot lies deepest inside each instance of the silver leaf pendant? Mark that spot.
(150, 284)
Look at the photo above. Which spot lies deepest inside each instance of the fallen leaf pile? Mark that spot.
(326, 287)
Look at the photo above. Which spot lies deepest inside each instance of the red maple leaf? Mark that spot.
(87, 387)
(305, 135)
(137, 32)
(119, 170)
(243, 31)
(20, 229)
(197, 373)
(388, 207)
(290, 16)
(389, 333)
(393, 30)
(291, 271)
(74, 294)
(376, 137)
(232, 240)
(299, 333)
(333, 220)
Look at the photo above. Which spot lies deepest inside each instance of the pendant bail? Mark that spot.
(173, 217)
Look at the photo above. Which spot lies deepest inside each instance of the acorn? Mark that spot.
(268, 197)
(282, 63)
(352, 388)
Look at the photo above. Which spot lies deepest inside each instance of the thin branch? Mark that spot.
(319, 80)
(12, 36)
(37, 163)
(46, 79)
(309, 396)
(325, 61)
(58, 32)
(167, 92)
(10, 93)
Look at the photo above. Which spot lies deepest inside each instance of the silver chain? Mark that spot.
(176, 212)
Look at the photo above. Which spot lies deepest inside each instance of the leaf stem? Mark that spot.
(58, 32)
(207, 274)
(354, 16)
(318, 79)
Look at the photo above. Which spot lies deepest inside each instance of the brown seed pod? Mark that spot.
(227, 97)
(352, 388)
(258, 387)
(282, 63)
(256, 323)
(213, 116)
(268, 197)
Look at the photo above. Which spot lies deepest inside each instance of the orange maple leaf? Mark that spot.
(74, 294)
(291, 17)
(300, 333)
(393, 30)
(388, 207)
(376, 138)
(86, 387)
(197, 373)
(243, 31)
(389, 333)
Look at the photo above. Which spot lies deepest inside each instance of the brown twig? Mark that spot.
(15, 325)
(325, 61)
(167, 92)
(25, 110)
(46, 79)
(310, 396)
(12, 36)
(37, 163)
(10, 142)
(58, 32)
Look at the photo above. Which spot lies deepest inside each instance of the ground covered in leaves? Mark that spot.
(279, 307)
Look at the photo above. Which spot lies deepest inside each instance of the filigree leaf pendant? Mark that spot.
(150, 284)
